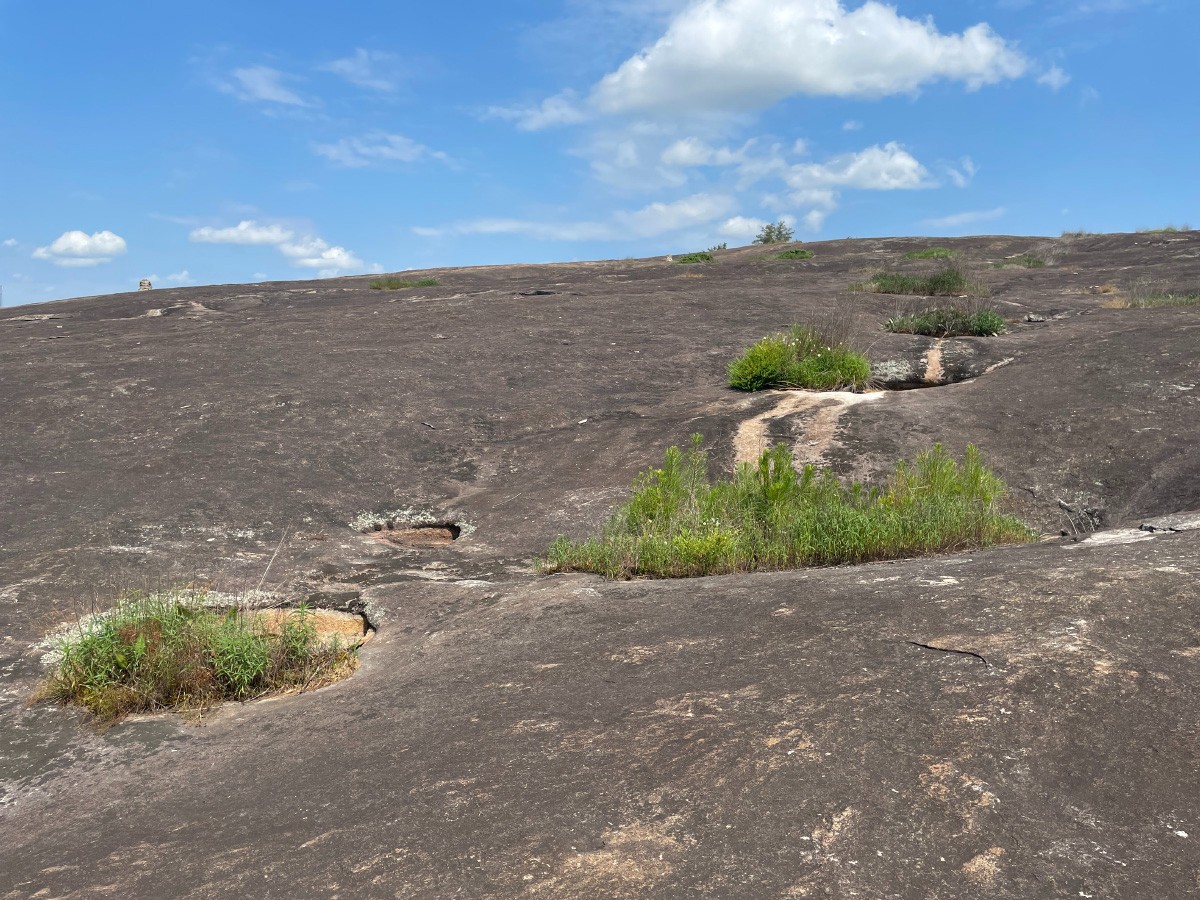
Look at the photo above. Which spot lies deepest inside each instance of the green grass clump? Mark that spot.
(931, 253)
(689, 258)
(794, 253)
(171, 652)
(398, 284)
(680, 524)
(1026, 261)
(949, 282)
(801, 358)
(947, 321)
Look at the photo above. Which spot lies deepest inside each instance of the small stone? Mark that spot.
(1035, 317)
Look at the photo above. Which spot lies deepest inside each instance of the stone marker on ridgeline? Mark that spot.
(145, 285)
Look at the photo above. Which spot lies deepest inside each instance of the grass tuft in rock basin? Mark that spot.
(931, 253)
(951, 281)
(158, 652)
(947, 321)
(803, 357)
(680, 524)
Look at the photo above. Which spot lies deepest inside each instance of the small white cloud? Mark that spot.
(369, 69)
(958, 220)
(245, 232)
(963, 173)
(561, 109)
(741, 227)
(11, 242)
(315, 253)
(377, 147)
(735, 55)
(815, 219)
(183, 277)
(852, 125)
(886, 168)
(375, 269)
(1054, 78)
(262, 84)
(77, 249)
(308, 252)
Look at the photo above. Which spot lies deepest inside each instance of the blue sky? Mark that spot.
(231, 142)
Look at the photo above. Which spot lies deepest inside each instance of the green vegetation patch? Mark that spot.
(1025, 261)
(690, 258)
(931, 253)
(951, 281)
(399, 284)
(947, 321)
(1153, 299)
(775, 233)
(769, 516)
(171, 652)
(794, 253)
(799, 358)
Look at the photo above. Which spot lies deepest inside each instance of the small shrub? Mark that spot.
(778, 233)
(931, 253)
(949, 282)
(691, 258)
(721, 246)
(807, 357)
(794, 253)
(398, 284)
(1025, 261)
(171, 652)
(947, 321)
(679, 523)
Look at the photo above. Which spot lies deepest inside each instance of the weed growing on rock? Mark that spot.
(931, 253)
(951, 281)
(398, 284)
(173, 652)
(690, 258)
(1025, 261)
(1147, 295)
(769, 516)
(794, 253)
(947, 321)
(804, 357)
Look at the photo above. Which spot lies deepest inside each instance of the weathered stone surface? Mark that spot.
(1013, 723)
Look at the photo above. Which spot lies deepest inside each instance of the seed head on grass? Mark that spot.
(679, 523)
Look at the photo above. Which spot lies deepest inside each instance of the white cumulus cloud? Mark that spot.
(741, 227)
(734, 55)
(886, 168)
(78, 249)
(11, 242)
(315, 253)
(305, 251)
(377, 147)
